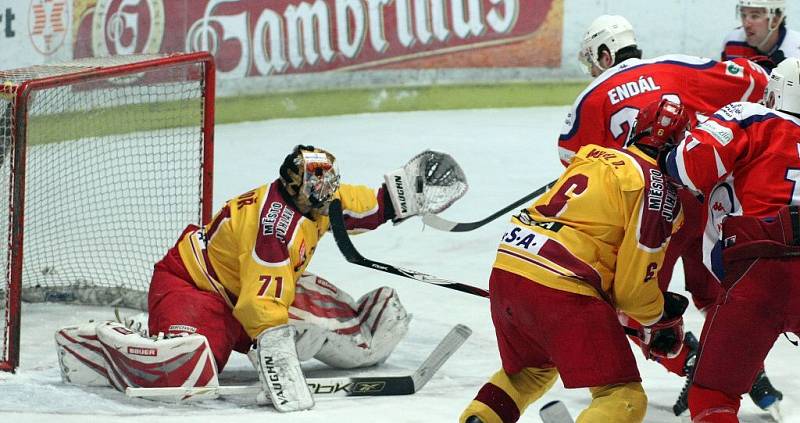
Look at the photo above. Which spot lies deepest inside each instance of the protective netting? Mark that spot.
(113, 173)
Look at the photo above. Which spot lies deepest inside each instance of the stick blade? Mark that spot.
(555, 412)
(436, 222)
(446, 348)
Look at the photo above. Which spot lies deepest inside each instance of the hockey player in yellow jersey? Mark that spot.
(241, 281)
(588, 249)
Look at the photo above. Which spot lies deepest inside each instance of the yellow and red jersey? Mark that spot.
(257, 246)
(603, 227)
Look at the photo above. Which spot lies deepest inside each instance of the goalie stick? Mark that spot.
(436, 222)
(331, 386)
(352, 255)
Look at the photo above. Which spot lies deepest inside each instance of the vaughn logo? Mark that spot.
(274, 380)
(401, 194)
(263, 37)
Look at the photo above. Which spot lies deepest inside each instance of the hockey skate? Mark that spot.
(682, 403)
(765, 396)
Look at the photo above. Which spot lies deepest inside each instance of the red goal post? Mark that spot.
(103, 162)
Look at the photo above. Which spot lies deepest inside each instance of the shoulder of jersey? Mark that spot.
(736, 35)
(791, 44)
(626, 169)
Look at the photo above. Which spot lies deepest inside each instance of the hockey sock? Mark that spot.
(616, 403)
(712, 406)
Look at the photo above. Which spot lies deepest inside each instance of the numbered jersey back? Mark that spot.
(604, 112)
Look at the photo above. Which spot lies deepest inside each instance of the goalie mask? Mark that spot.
(612, 31)
(311, 178)
(783, 89)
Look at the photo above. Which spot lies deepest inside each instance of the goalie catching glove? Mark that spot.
(663, 339)
(428, 184)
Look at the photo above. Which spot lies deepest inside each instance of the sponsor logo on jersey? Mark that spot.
(733, 69)
(283, 223)
(722, 134)
(525, 218)
(524, 238)
(268, 221)
(147, 352)
(660, 198)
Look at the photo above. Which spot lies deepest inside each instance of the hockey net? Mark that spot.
(103, 162)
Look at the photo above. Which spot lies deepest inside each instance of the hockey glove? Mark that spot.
(664, 338)
(429, 183)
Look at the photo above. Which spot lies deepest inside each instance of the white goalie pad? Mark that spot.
(428, 184)
(275, 360)
(341, 332)
(108, 353)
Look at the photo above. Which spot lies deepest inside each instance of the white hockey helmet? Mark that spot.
(772, 7)
(613, 31)
(783, 90)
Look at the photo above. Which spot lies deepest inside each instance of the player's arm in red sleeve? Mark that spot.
(708, 152)
(364, 208)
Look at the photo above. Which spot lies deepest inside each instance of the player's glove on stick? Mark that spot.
(428, 184)
(664, 338)
(275, 360)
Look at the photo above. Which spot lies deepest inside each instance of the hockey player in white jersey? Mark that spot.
(763, 37)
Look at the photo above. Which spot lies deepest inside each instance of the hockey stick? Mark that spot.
(330, 386)
(555, 412)
(352, 255)
(436, 222)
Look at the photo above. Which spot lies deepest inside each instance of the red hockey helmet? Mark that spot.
(660, 124)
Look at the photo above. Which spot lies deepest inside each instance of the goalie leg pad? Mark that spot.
(132, 360)
(279, 369)
(80, 356)
(383, 324)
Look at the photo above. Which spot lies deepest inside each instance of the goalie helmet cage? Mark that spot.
(103, 163)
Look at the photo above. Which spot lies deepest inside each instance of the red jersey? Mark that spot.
(745, 159)
(604, 112)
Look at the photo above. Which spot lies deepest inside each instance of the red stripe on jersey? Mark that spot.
(736, 49)
(499, 401)
(560, 255)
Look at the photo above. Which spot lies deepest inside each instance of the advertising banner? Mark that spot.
(273, 37)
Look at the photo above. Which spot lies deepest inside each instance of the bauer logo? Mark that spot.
(127, 27)
(48, 24)
(146, 352)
